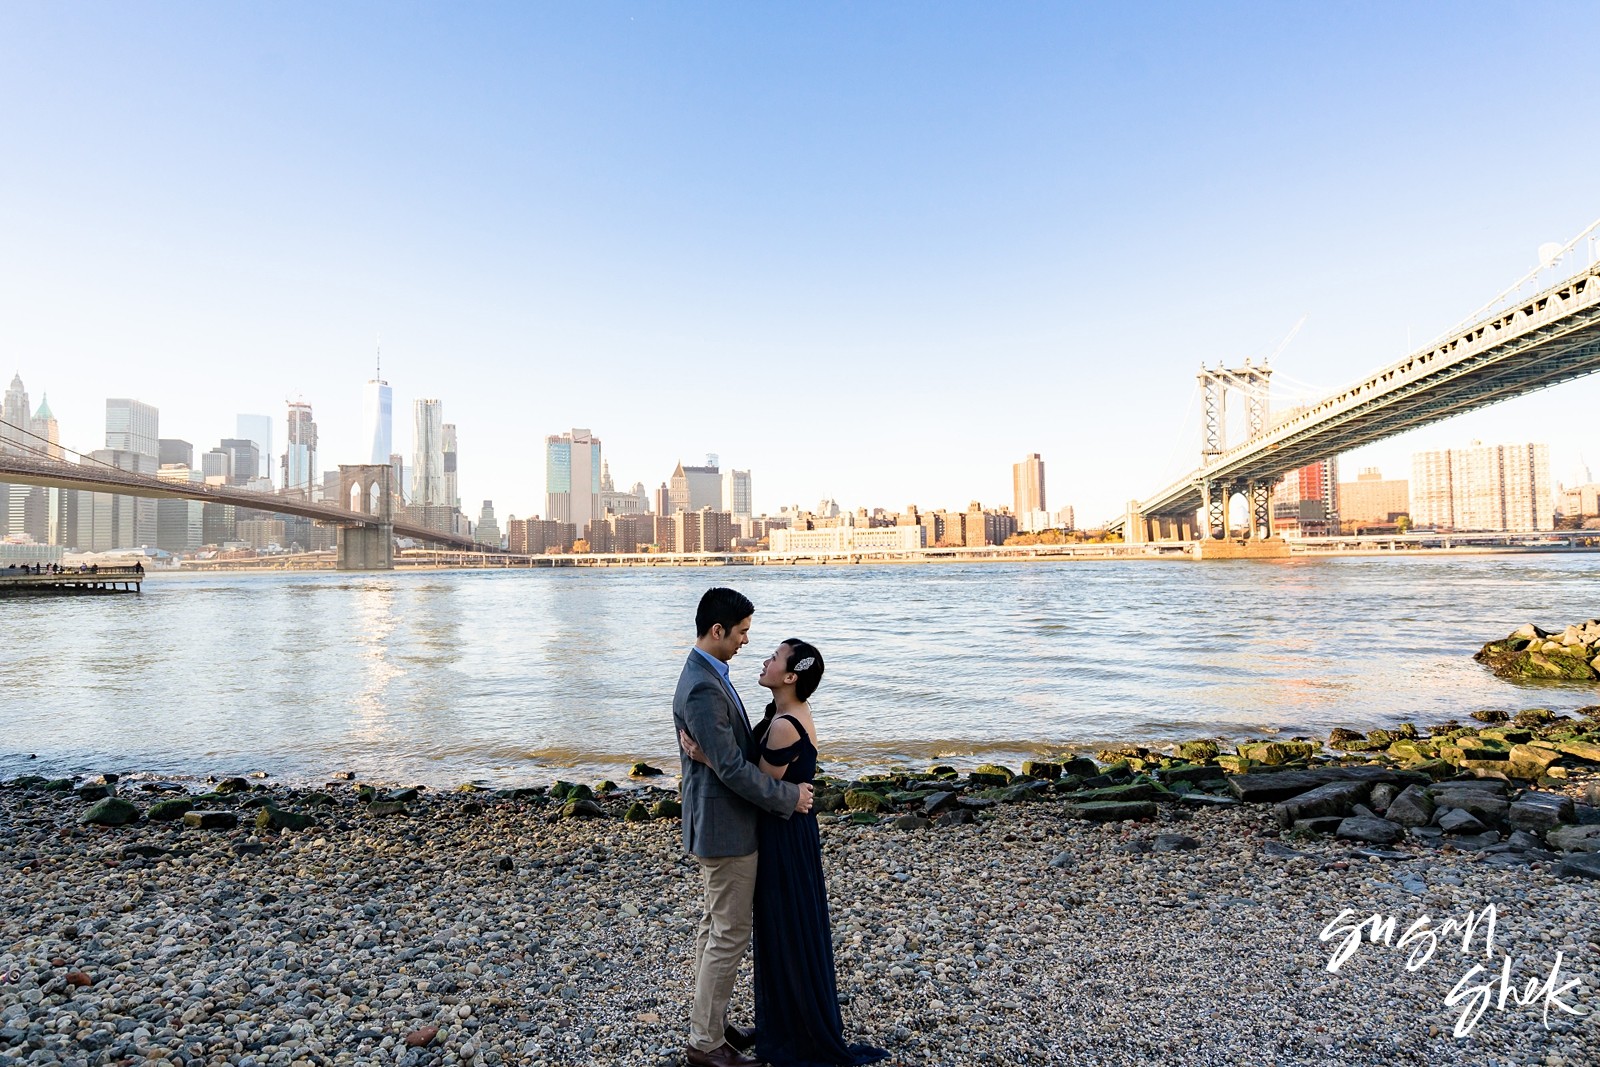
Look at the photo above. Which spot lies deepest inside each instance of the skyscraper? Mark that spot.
(377, 423)
(17, 417)
(572, 478)
(46, 430)
(300, 461)
(693, 488)
(257, 428)
(1027, 486)
(133, 427)
(488, 531)
(736, 496)
(427, 462)
(1494, 487)
(175, 453)
(243, 460)
(451, 498)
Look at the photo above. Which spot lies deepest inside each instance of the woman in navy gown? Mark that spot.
(797, 1001)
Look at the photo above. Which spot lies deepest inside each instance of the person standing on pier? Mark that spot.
(721, 799)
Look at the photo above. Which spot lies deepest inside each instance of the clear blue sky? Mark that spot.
(876, 252)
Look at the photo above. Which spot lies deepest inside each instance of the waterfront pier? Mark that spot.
(76, 582)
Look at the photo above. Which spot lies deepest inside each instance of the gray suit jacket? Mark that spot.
(720, 800)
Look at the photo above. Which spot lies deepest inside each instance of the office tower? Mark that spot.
(1371, 499)
(46, 430)
(1027, 486)
(377, 422)
(105, 521)
(663, 500)
(216, 466)
(180, 524)
(1494, 488)
(1306, 502)
(736, 496)
(243, 459)
(427, 463)
(693, 488)
(488, 531)
(451, 499)
(175, 453)
(133, 427)
(572, 478)
(402, 477)
(300, 461)
(257, 428)
(17, 424)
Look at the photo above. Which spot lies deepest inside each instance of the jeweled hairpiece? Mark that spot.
(803, 664)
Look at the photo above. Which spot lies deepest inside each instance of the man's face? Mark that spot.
(727, 645)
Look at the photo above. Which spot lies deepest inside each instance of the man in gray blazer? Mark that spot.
(720, 802)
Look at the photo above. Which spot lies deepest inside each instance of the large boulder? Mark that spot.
(1575, 838)
(1413, 807)
(110, 811)
(1329, 799)
(1541, 811)
(1374, 830)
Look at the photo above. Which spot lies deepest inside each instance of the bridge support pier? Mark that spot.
(367, 487)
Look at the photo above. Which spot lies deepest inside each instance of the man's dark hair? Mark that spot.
(726, 606)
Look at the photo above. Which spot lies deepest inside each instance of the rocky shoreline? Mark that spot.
(1137, 908)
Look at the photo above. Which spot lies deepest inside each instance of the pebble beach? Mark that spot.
(480, 928)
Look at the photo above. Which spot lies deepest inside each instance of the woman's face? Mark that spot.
(775, 668)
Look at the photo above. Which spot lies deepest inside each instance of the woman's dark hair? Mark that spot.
(726, 606)
(811, 676)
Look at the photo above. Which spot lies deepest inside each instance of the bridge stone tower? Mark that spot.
(369, 489)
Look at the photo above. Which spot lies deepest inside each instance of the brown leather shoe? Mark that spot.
(742, 1038)
(724, 1055)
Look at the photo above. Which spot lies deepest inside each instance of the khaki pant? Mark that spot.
(730, 889)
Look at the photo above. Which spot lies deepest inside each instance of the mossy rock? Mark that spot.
(58, 785)
(636, 812)
(1511, 735)
(365, 794)
(943, 770)
(1277, 753)
(1112, 810)
(666, 809)
(829, 801)
(170, 810)
(405, 796)
(232, 785)
(605, 786)
(28, 781)
(1082, 766)
(381, 808)
(1437, 769)
(559, 790)
(863, 818)
(1532, 717)
(271, 818)
(582, 808)
(644, 770)
(1491, 715)
(865, 800)
(1190, 772)
(1199, 751)
(110, 811)
(1404, 749)
(319, 800)
(995, 770)
(1041, 769)
(1236, 764)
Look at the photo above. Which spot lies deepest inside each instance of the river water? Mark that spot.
(517, 677)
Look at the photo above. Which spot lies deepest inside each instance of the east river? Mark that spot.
(518, 677)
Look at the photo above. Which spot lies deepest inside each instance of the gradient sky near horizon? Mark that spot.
(872, 252)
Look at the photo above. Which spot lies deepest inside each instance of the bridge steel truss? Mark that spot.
(1541, 341)
(32, 470)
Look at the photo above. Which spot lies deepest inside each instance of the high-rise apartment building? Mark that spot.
(572, 469)
(693, 488)
(1372, 499)
(1306, 502)
(1027, 485)
(377, 421)
(452, 497)
(257, 428)
(300, 461)
(1493, 487)
(427, 460)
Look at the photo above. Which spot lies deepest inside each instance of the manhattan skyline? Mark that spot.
(872, 254)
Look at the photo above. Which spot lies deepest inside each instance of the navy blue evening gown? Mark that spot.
(797, 1000)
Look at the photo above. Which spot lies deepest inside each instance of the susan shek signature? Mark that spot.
(1482, 986)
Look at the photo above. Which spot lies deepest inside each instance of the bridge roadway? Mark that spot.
(31, 470)
(1538, 342)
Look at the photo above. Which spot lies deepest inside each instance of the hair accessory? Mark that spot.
(803, 664)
